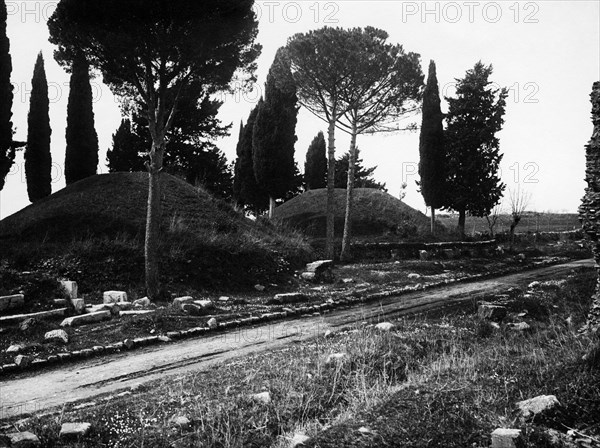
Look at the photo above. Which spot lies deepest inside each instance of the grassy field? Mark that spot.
(530, 222)
(438, 381)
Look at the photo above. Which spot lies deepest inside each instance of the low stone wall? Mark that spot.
(403, 250)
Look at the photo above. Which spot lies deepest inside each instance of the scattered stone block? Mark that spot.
(74, 430)
(144, 302)
(488, 311)
(263, 397)
(259, 288)
(178, 302)
(336, 358)
(57, 336)
(136, 312)
(79, 305)
(128, 344)
(60, 302)
(27, 324)
(520, 326)
(89, 318)
(308, 276)
(505, 438)
(321, 270)
(385, 326)
(15, 349)
(205, 304)
(125, 305)
(193, 309)
(290, 297)
(22, 360)
(181, 421)
(537, 405)
(223, 299)
(23, 439)
(7, 320)
(114, 296)
(413, 276)
(212, 323)
(11, 302)
(70, 288)
(298, 440)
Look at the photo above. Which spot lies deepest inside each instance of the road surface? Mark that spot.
(40, 392)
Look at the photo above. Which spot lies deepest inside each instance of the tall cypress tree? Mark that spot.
(474, 117)
(247, 192)
(315, 167)
(38, 161)
(432, 164)
(7, 151)
(81, 158)
(274, 135)
(125, 152)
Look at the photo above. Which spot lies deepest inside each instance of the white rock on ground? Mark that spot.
(57, 336)
(537, 405)
(70, 288)
(205, 304)
(385, 326)
(74, 430)
(298, 440)
(178, 302)
(144, 302)
(259, 288)
(181, 421)
(86, 319)
(263, 397)
(14, 349)
(79, 305)
(23, 439)
(22, 361)
(336, 358)
(223, 299)
(414, 276)
(520, 326)
(505, 438)
(212, 323)
(114, 296)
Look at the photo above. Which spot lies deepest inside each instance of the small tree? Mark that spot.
(150, 52)
(81, 158)
(432, 164)
(274, 135)
(7, 150)
(315, 167)
(474, 117)
(492, 218)
(38, 161)
(363, 177)
(519, 199)
(127, 152)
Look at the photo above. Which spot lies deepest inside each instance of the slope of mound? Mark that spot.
(94, 229)
(375, 213)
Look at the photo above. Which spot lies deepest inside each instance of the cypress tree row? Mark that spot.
(432, 164)
(81, 158)
(38, 161)
(315, 167)
(7, 151)
(274, 136)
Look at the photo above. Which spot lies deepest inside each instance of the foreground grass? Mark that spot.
(438, 381)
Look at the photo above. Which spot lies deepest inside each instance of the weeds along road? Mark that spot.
(32, 393)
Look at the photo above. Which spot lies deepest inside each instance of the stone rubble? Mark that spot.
(74, 430)
(57, 336)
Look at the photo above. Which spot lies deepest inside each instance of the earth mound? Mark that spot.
(375, 213)
(96, 227)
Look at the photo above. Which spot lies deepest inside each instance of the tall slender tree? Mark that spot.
(315, 167)
(81, 157)
(247, 192)
(274, 135)
(474, 117)
(7, 150)
(383, 84)
(150, 52)
(432, 163)
(38, 161)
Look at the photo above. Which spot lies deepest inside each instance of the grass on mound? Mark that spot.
(375, 213)
(444, 381)
(93, 231)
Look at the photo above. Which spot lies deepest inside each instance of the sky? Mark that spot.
(547, 53)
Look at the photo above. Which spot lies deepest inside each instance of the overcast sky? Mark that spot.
(546, 52)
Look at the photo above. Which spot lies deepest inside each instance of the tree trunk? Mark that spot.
(271, 206)
(329, 236)
(433, 220)
(153, 219)
(345, 255)
(462, 215)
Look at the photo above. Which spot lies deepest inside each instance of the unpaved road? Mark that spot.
(29, 393)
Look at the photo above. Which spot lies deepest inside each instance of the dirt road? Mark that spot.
(51, 388)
